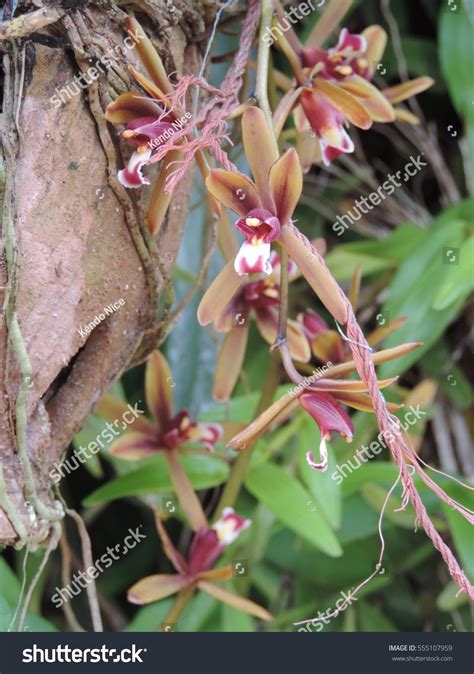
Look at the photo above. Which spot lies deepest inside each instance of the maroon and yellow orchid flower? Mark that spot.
(321, 399)
(196, 572)
(258, 299)
(334, 86)
(171, 435)
(147, 119)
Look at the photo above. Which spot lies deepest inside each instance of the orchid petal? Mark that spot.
(328, 347)
(229, 362)
(328, 22)
(376, 104)
(219, 294)
(346, 104)
(355, 288)
(267, 324)
(188, 499)
(378, 357)
(316, 273)
(337, 386)
(400, 92)
(222, 573)
(260, 149)
(134, 446)
(154, 588)
(113, 409)
(229, 526)
(328, 415)
(130, 106)
(350, 42)
(131, 176)
(326, 122)
(286, 184)
(160, 199)
(148, 55)
(150, 87)
(376, 39)
(233, 190)
(171, 552)
(361, 401)
(240, 603)
(257, 427)
(323, 453)
(402, 115)
(158, 388)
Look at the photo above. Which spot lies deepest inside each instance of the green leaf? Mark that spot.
(450, 599)
(326, 492)
(457, 58)
(291, 503)
(153, 476)
(419, 280)
(148, 618)
(459, 284)
(457, 62)
(421, 57)
(374, 256)
(371, 619)
(9, 595)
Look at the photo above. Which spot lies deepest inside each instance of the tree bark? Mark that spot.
(73, 239)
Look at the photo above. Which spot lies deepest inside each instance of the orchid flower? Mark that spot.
(197, 570)
(147, 119)
(265, 208)
(258, 299)
(322, 401)
(171, 435)
(335, 89)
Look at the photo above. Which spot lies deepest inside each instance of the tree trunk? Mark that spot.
(73, 239)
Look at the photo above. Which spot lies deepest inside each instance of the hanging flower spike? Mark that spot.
(197, 570)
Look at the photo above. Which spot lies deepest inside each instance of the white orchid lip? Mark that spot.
(253, 257)
(229, 526)
(131, 176)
